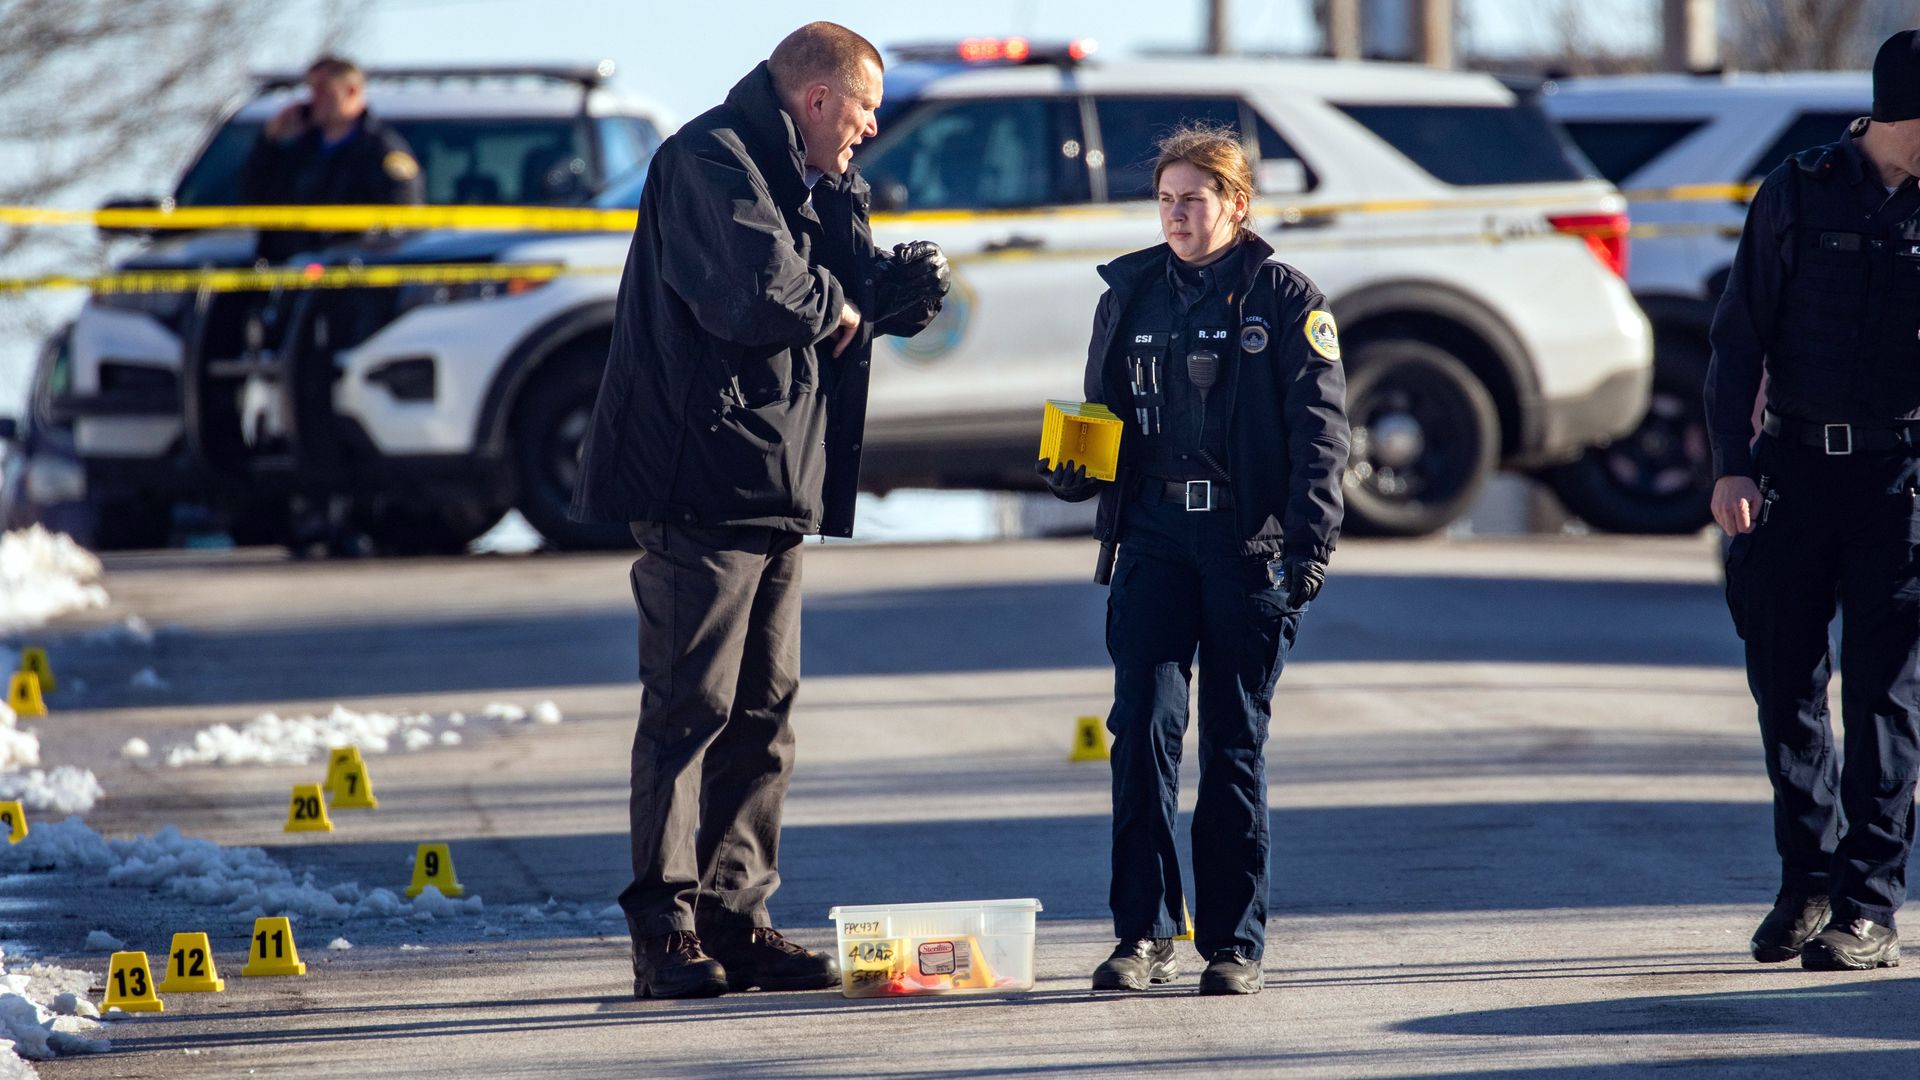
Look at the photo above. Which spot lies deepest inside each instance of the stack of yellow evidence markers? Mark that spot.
(27, 687)
(1085, 433)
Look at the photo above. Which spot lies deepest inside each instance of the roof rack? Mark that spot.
(1011, 51)
(585, 76)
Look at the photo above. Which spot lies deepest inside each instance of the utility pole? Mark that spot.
(1690, 35)
(1340, 28)
(1217, 44)
(1433, 32)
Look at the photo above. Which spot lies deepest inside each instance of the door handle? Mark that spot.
(1016, 242)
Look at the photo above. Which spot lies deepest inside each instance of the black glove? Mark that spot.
(1304, 578)
(923, 267)
(915, 275)
(1067, 480)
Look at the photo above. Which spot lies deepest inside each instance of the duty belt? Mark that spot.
(1194, 494)
(1839, 440)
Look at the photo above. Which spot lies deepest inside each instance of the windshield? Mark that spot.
(492, 162)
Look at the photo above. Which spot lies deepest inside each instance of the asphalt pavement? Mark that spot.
(1519, 822)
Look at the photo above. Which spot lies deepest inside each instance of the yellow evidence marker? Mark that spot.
(308, 810)
(271, 950)
(130, 985)
(33, 660)
(351, 788)
(190, 967)
(1084, 433)
(339, 758)
(23, 695)
(1089, 740)
(13, 818)
(433, 865)
(1187, 918)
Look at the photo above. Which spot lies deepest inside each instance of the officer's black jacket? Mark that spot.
(722, 402)
(1287, 433)
(374, 167)
(1824, 295)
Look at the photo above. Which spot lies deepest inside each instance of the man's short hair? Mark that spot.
(823, 52)
(336, 67)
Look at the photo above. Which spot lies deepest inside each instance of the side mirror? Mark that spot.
(144, 202)
(890, 197)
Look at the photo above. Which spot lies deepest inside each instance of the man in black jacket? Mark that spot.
(728, 427)
(327, 150)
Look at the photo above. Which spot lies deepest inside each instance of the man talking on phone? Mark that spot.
(327, 150)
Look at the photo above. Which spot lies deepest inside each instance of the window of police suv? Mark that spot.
(1471, 145)
(1808, 130)
(979, 154)
(1620, 148)
(506, 162)
(1131, 128)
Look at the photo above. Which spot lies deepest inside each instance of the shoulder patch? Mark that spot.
(1322, 335)
(400, 165)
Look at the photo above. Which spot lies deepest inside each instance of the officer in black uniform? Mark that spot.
(1227, 504)
(1825, 295)
(327, 150)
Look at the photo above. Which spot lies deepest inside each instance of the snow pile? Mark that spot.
(45, 575)
(271, 739)
(100, 939)
(245, 882)
(17, 748)
(65, 790)
(339, 944)
(31, 1029)
(135, 748)
(148, 679)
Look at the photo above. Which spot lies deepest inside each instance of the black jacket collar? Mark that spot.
(1130, 272)
(771, 135)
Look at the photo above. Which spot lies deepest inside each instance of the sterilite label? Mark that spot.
(936, 958)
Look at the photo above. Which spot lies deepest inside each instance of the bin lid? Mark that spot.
(1029, 904)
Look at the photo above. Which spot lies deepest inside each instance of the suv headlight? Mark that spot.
(413, 296)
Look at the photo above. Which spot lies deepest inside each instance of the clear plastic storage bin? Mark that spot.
(967, 947)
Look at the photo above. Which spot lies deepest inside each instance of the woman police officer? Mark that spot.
(1224, 365)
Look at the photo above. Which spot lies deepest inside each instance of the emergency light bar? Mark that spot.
(996, 50)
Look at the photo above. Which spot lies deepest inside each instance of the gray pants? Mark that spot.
(719, 665)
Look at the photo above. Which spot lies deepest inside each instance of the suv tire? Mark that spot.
(444, 528)
(550, 425)
(1426, 436)
(132, 525)
(1658, 478)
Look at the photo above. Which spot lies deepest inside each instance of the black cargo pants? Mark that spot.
(1845, 530)
(719, 665)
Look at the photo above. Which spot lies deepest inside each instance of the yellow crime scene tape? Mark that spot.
(302, 277)
(347, 219)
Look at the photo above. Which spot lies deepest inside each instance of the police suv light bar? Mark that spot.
(995, 50)
(585, 76)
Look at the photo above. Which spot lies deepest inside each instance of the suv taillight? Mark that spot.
(1605, 234)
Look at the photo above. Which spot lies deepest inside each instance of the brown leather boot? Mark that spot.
(675, 966)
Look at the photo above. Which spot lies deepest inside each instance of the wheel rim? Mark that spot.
(1414, 440)
(1666, 457)
(564, 449)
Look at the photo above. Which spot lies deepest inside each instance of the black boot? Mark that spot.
(1795, 918)
(1136, 965)
(762, 957)
(1230, 973)
(1861, 945)
(674, 966)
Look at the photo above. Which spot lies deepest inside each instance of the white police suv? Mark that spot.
(1473, 262)
(1684, 149)
(497, 135)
